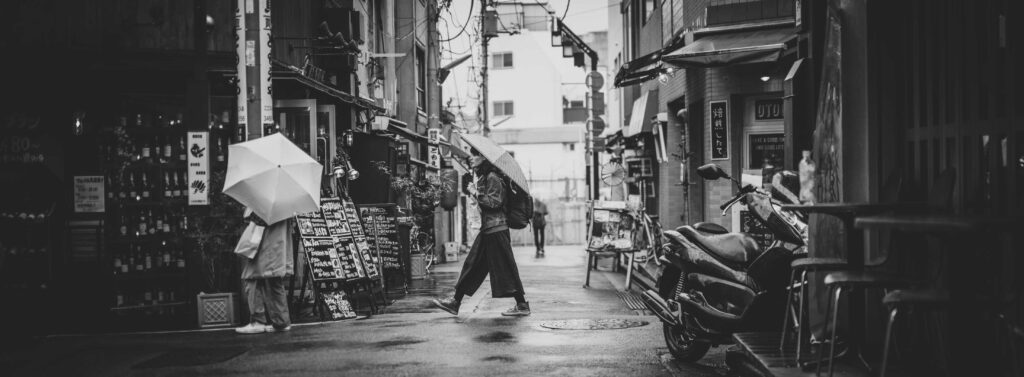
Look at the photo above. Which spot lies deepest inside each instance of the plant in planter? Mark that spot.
(214, 235)
(423, 195)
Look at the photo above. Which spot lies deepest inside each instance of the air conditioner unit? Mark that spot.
(380, 123)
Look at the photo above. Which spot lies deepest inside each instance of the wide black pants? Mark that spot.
(491, 253)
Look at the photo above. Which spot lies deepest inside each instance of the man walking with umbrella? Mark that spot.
(492, 250)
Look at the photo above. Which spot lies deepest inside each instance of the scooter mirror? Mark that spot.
(711, 172)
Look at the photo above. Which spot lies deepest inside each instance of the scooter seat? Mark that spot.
(731, 247)
(706, 228)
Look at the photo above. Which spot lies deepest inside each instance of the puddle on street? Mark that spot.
(496, 337)
(399, 341)
(504, 359)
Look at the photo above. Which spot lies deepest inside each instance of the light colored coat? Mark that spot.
(274, 258)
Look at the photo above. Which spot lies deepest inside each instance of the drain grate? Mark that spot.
(593, 324)
(632, 300)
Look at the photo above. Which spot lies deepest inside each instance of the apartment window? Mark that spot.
(639, 167)
(575, 104)
(503, 108)
(568, 147)
(501, 60)
(649, 6)
(421, 79)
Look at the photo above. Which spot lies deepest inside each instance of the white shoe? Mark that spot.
(252, 328)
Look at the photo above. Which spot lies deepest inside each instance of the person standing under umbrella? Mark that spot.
(263, 278)
(492, 250)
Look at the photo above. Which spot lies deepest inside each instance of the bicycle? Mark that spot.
(423, 243)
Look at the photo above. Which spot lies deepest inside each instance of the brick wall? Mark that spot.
(720, 84)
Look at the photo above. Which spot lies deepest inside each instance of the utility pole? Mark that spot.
(484, 38)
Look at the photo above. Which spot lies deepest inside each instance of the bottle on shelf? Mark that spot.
(147, 257)
(146, 152)
(180, 258)
(167, 224)
(140, 263)
(183, 184)
(151, 225)
(119, 299)
(167, 185)
(122, 192)
(158, 224)
(117, 264)
(144, 186)
(166, 257)
(182, 150)
(140, 120)
(133, 192)
(217, 147)
(124, 225)
(147, 297)
(141, 231)
(168, 150)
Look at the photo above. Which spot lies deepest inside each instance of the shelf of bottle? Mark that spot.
(148, 238)
(177, 273)
(169, 202)
(148, 164)
(148, 306)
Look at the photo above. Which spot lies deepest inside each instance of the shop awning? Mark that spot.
(640, 120)
(733, 48)
(400, 128)
(639, 70)
(290, 72)
(645, 67)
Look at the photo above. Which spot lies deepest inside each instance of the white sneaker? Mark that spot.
(273, 329)
(252, 328)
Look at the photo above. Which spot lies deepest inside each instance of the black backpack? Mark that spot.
(518, 206)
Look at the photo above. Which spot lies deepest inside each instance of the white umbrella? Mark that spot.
(273, 177)
(498, 157)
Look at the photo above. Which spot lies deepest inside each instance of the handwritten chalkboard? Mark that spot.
(322, 255)
(334, 217)
(382, 234)
(368, 255)
(312, 224)
(752, 226)
(337, 305)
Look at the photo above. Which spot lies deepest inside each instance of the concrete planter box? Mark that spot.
(217, 309)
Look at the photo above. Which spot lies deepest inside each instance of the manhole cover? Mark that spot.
(593, 324)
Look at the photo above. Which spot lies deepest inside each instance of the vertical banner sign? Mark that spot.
(198, 168)
(433, 150)
(241, 61)
(719, 130)
(89, 194)
(266, 103)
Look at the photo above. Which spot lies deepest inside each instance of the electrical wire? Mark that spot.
(566, 10)
(471, 4)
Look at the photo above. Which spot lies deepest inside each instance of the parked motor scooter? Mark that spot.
(718, 283)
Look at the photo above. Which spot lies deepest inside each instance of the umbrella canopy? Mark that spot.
(499, 157)
(273, 177)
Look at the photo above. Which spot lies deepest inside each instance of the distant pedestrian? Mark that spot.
(492, 250)
(539, 222)
(263, 279)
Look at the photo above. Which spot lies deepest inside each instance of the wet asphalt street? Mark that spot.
(409, 339)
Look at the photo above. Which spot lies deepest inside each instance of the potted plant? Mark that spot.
(214, 235)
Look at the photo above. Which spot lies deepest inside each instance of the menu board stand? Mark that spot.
(382, 235)
(335, 250)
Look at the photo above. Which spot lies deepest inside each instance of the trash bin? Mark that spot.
(418, 265)
(451, 252)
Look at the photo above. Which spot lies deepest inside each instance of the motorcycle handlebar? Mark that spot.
(743, 191)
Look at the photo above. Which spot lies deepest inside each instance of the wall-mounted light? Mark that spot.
(556, 33)
(348, 138)
(765, 78)
(78, 123)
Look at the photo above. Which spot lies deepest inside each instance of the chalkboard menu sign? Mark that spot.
(337, 305)
(328, 244)
(368, 255)
(719, 130)
(382, 234)
(750, 225)
(322, 255)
